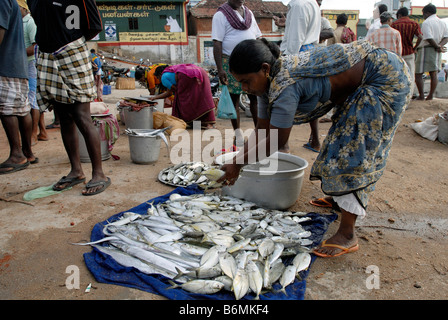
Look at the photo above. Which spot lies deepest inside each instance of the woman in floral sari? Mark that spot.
(368, 88)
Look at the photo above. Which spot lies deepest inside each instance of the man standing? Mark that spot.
(29, 33)
(408, 29)
(386, 37)
(231, 24)
(97, 72)
(377, 11)
(14, 104)
(429, 52)
(65, 81)
(302, 33)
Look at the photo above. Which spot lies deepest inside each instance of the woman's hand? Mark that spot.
(232, 172)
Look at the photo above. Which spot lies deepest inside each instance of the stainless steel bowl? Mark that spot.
(274, 183)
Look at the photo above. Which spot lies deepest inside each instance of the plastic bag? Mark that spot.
(226, 109)
(41, 192)
(163, 120)
(427, 129)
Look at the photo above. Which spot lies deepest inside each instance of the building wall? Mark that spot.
(140, 29)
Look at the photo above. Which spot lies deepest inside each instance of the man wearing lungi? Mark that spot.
(65, 81)
(14, 104)
(232, 23)
(429, 53)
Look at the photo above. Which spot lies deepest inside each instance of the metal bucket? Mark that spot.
(442, 134)
(160, 104)
(274, 183)
(84, 154)
(138, 119)
(144, 150)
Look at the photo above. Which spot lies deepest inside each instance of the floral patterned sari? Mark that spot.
(353, 154)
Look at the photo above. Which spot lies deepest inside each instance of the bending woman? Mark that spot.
(193, 100)
(368, 88)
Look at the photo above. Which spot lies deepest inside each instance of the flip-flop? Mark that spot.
(53, 126)
(104, 185)
(36, 160)
(309, 147)
(344, 250)
(15, 167)
(325, 203)
(69, 181)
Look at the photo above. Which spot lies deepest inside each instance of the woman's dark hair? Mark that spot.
(139, 73)
(159, 70)
(249, 55)
(342, 19)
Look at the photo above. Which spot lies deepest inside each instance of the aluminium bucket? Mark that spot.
(84, 154)
(442, 134)
(274, 183)
(138, 119)
(143, 149)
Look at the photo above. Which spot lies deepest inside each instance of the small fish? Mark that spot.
(255, 278)
(266, 247)
(226, 281)
(238, 245)
(276, 271)
(302, 261)
(278, 250)
(288, 277)
(213, 174)
(199, 286)
(228, 264)
(240, 284)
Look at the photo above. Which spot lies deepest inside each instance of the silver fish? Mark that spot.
(278, 250)
(302, 261)
(288, 277)
(255, 278)
(276, 271)
(240, 283)
(228, 282)
(266, 247)
(199, 286)
(228, 264)
(238, 245)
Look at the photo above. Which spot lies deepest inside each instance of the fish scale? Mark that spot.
(209, 237)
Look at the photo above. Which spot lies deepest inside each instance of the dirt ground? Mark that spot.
(403, 237)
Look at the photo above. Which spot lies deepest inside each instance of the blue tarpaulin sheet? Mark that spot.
(106, 270)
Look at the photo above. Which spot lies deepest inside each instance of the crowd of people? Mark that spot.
(365, 84)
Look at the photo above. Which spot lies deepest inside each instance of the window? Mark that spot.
(133, 23)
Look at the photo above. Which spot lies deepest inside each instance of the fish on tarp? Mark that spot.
(201, 239)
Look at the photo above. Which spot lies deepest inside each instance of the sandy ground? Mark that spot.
(403, 238)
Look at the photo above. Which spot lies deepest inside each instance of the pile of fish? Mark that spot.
(187, 173)
(208, 242)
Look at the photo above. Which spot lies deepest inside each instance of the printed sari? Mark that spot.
(193, 100)
(354, 153)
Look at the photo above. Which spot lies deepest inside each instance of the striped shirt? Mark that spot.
(408, 30)
(386, 37)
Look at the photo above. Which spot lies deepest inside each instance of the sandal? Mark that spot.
(103, 184)
(344, 250)
(68, 182)
(14, 167)
(324, 203)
